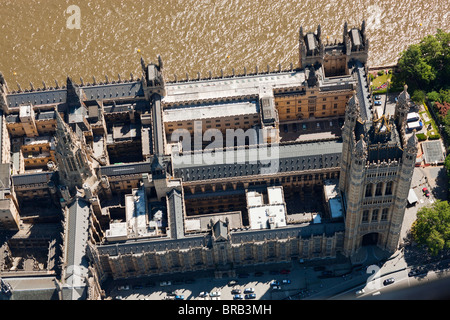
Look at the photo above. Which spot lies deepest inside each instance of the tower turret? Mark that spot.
(402, 107)
(351, 115)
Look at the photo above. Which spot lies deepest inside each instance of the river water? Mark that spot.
(193, 35)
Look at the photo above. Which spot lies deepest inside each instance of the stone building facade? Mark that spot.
(146, 205)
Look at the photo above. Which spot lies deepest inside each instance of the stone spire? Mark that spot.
(402, 107)
(73, 162)
(353, 104)
(411, 144)
(360, 148)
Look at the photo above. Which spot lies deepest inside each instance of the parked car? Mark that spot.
(285, 281)
(236, 291)
(179, 297)
(426, 192)
(204, 294)
(215, 294)
(125, 287)
(377, 97)
(250, 296)
(388, 281)
(259, 274)
(276, 287)
(238, 297)
(249, 290)
(232, 283)
(417, 272)
(285, 271)
(378, 103)
(274, 283)
(359, 292)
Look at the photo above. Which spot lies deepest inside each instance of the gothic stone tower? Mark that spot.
(311, 48)
(377, 166)
(73, 162)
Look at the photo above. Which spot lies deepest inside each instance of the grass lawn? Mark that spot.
(378, 81)
(434, 129)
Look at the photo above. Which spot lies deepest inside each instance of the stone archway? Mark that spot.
(370, 239)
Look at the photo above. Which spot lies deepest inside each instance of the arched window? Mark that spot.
(389, 188)
(378, 189)
(369, 190)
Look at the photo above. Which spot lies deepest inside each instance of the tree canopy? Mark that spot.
(426, 65)
(432, 227)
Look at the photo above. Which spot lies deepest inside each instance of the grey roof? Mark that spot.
(123, 169)
(43, 115)
(75, 255)
(311, 41)
(220, 230)
(268, 109)
(158, 125)
(202, 240)
(114, 91)
(33, 288)
(56, 96)
(362, 91)
(300, 231)
(356, 37)
(433, 152)
(291, 157)
(33, 178)
(157, 244)
(175, 214)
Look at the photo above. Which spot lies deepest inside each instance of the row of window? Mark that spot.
(374, 216)
(39, 127)
(312, 108)
(323, 99)
(379, 189)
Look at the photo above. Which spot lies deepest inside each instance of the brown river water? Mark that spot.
(193, 35)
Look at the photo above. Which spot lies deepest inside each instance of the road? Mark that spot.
(375, 286)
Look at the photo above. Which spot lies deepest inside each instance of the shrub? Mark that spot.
(442, 108)
(421, 136)
(434, 136)
(434, 96)
(380, 73)
(418, 96)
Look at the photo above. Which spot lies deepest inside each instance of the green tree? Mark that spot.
(432, 227)
(414, 69)
(418, 96)
(445, 95)
(426, 65)
(434, 96)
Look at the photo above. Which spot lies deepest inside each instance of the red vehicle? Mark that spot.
(426, 192)
(285, 271)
